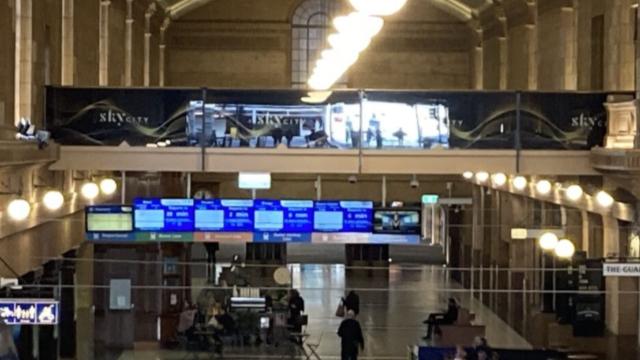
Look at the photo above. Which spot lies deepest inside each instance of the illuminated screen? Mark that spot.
(343, 216)
(109, 218)
(397, 222)
(164, 214)
(293, 216)
(224, 215)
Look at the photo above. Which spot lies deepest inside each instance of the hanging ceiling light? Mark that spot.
(499, 179)
(53, 200)
(519, 183)
(358, 23)
(565, 249)
(482, 176)
(90, 190)
(19, 209)
(574, 192)
(604, 199)
(108, 186)
(548, 241)
(378, 7)
(543, 187)
(467, 175)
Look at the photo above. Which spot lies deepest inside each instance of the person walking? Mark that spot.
(352, 302)
(351, 334)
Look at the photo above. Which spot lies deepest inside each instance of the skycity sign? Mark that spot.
(621, 269)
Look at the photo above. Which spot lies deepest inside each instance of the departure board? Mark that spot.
(109, 218)
(164, 215)
(343, 216)
(290, 216)
(224, 215)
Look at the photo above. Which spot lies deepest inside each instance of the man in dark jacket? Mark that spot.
(351, 335)
(352, 302)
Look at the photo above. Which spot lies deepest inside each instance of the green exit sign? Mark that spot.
(430, 199)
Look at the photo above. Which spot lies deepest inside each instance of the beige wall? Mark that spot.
(246, 43)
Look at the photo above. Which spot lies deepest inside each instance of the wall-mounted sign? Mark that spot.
(29, 311)
(254, 181)
(430, 199)
(621, 269)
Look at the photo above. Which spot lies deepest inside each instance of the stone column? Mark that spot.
(494, 44)
(68, 57)
(84, 303)
(147, 43)
(128, 45)
(619, 44)
(23, 59)
(104, 43)
(621, 309)
(162, 48)
(557, 45)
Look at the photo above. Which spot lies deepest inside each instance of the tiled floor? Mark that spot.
(393, 306)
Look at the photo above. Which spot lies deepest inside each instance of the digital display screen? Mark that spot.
(109, 218)
(163, 214)
(343, 216)
(397, 221)
(224, 215)
(294, 216)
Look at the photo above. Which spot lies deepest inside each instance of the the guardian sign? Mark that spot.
(621, 269)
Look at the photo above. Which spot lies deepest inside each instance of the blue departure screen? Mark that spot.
(163, 214)
(291, 216)
(343, 216)
(224, 215)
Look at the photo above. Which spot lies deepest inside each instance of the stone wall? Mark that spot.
(247, 44)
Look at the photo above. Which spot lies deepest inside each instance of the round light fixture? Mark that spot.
(604, 199)
(378, 7)
(53, 200)
(467, 175)
(519, 183)
(499, 179)
(482, 176)
(565, 249)
(108, 186)
(574, 192)
(19, 209)
(90, 190)
(543, 187)
(548, 241)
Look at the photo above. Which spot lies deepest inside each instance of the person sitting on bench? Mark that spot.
(447, 318)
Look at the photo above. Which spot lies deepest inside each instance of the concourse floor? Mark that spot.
(393, 305)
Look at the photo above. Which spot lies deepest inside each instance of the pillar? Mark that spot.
(521, 45)
(621, 309)
(162, 48)
(128, 45)
(557, 45)
(494, 46)
(84, 303)
(68, 57)
(619, 44)
(147, 43)
(104, 43)
(23, 59)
